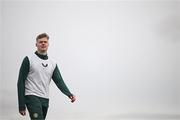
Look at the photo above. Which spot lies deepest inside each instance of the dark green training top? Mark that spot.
(23, 74)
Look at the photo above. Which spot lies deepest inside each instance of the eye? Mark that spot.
(40, 41)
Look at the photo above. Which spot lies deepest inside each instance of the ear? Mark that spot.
(36, 44)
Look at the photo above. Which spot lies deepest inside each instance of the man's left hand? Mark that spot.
(73, 98)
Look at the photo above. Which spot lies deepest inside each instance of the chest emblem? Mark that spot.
(44, 65)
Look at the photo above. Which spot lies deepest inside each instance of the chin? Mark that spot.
(45, 49)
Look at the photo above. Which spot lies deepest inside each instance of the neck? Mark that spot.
(44, 57)
(42, 53)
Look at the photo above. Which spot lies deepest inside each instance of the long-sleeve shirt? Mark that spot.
(23, 75)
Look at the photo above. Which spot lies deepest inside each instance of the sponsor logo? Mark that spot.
(44, 65)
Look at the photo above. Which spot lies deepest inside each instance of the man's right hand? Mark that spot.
(23, 112)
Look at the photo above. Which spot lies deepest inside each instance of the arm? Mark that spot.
(57, 78)
(23, 72)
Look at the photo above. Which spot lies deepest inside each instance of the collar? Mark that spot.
(44, 57)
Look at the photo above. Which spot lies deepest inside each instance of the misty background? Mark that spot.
(120, 58)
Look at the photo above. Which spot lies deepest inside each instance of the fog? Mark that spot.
(121, 59)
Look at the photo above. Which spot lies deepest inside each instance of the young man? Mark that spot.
(35, 75)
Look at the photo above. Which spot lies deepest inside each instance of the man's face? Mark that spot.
(42, 44)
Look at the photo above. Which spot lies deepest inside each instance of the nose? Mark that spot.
(43, 43)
